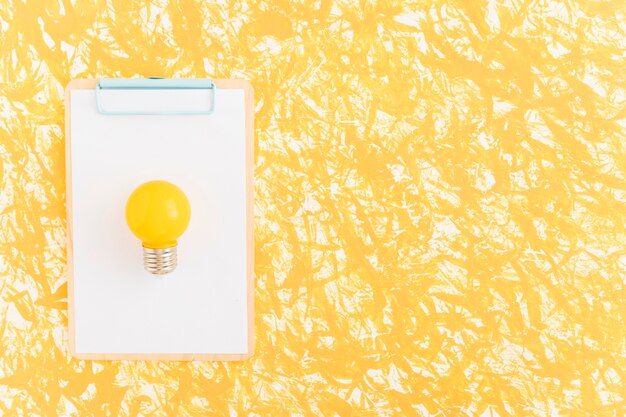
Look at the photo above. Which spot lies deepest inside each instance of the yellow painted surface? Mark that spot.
(440, 205)
(158, 213)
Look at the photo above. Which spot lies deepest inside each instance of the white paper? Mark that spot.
(156, 101)
(202, 306)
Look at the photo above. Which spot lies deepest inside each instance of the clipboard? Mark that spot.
(198, 134)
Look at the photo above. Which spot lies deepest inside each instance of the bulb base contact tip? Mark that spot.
(160, 261)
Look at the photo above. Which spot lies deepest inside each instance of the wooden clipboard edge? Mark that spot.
(90, 84)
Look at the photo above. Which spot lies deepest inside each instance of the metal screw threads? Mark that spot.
(160, 261)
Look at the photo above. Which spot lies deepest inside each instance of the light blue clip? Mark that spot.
(155, 83)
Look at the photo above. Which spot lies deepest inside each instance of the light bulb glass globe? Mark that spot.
(158, 213)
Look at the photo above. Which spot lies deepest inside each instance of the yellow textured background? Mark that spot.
(440, 205)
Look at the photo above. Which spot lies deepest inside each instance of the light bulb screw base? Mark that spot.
(160, 261)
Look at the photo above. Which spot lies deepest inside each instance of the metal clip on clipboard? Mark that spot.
(155, 96)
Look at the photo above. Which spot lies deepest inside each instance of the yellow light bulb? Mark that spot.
(158, 213)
